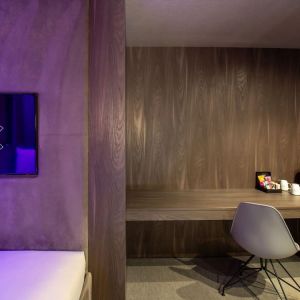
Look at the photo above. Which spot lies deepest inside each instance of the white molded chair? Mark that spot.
(261, 230)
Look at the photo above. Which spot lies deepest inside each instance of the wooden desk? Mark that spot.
(149, 205)
(181, 235)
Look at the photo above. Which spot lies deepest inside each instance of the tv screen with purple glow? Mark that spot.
(18, 134)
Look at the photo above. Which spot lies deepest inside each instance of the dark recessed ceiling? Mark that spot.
(213, 23)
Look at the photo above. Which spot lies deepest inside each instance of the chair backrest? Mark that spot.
(261, 230)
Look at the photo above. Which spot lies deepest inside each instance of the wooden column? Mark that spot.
(107, 255)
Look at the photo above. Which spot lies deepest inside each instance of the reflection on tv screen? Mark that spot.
(18, 134)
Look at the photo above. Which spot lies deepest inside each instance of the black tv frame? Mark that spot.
(36, 122)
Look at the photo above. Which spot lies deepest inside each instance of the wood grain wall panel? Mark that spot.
(107, 253)
(186, 238)
(179, 239)
(209, 117)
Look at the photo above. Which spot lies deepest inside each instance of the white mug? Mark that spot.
(295, 189)
(284, 185)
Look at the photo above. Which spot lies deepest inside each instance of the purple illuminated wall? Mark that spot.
(44, 50)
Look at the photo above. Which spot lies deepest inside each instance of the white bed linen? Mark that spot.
(41, 275)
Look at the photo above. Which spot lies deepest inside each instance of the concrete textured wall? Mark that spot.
(43, 49)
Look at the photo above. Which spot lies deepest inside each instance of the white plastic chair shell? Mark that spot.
(261, 230)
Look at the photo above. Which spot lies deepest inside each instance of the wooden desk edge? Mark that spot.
(194, 215)
(202, 204)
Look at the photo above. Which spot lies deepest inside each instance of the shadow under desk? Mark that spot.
(195, 222)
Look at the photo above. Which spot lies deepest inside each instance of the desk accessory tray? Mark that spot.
(257, 185)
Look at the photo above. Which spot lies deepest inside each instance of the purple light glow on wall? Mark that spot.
(18, 134)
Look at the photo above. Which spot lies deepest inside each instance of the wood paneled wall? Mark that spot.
(180, 239)
(107, 256)
(211, 117)
(187, 238)
(207, 118)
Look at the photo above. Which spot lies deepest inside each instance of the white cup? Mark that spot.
(295, 189)
(284, 185)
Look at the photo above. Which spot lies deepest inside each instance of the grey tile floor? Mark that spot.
(194, 279)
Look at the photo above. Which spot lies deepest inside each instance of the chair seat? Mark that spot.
(261, 230)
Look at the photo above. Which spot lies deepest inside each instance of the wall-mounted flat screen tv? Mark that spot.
(18, 134)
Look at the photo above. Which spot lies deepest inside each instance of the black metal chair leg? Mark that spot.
(296, 283)
(278, 279)
(237, 276)
(267, 273)
(261, 263)
(229, 282)
(283, 280)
